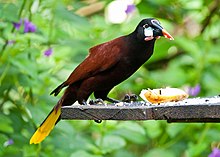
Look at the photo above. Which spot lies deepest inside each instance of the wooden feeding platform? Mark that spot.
(188, 110)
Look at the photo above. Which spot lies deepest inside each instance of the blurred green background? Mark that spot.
(42, 41)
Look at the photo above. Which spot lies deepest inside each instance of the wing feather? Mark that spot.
(101, 57)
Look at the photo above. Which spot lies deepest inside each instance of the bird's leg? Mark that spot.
(103, 95)
(100, 101)
(127, 98)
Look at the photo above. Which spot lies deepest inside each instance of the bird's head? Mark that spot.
(150, 28)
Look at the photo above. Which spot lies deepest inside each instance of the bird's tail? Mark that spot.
(48, 124)
(58, 89)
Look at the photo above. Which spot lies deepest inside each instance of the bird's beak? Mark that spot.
(167, 35)
(161, 29)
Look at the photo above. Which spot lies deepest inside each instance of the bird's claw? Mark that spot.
(97, 101)
(84, 103)
(134, 97)
(129, 98)
(126, 98)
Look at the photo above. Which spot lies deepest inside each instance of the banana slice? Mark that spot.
(163, 95)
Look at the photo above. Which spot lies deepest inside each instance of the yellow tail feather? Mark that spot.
(46, 127)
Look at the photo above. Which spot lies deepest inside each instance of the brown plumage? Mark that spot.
(107, 65)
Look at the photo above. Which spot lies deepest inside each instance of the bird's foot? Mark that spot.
(134, 97)
(83, 103)
(130, 98)
(126, 98)
(97, 101)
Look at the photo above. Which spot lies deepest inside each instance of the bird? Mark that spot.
(106, 65)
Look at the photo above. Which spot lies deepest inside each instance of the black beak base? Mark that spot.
(157, 32)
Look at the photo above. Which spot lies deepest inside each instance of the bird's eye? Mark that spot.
(145, 26)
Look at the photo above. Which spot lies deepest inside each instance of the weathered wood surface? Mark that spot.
(189, 110)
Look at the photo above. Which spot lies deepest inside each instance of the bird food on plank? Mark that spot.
(162, 95)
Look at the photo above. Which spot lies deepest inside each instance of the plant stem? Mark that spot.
(207, 126)
(213, 8)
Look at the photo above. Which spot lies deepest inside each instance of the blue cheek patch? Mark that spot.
(148, 32)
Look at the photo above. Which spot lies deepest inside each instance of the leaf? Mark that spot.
(153, 129)
(132, 136)
(171, 76)
(24, 65)
(133, 126)
(82, 153)
(196, 149)
(124, 153)
(8, 12)
(132, 131)
(29, 151)
(26, 114)
(3, 139)
(62, 13)
(159, 152)
(5, 125)
(3, 73)
(174, 129)
(110, 143)
(189, 46)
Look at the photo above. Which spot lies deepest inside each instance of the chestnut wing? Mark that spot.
(101, 57)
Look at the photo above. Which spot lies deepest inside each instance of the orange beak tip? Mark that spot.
(171, 38)
(167, 35)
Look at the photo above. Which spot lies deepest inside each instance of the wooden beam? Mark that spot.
(189, 110)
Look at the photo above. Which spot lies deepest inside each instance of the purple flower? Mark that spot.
(29, 26)
(130, 8)
(215, 153)
(8, 143)
(10, 42)
(17, 25)
(194, 91)
(48, 52)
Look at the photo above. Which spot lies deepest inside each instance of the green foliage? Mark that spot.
(27, 77)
